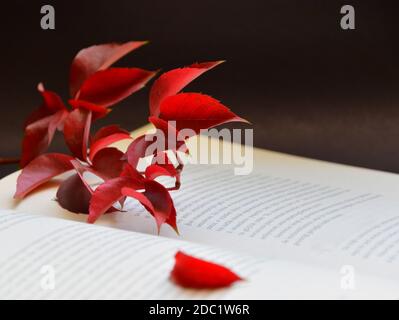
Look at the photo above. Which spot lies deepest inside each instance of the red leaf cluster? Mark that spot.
(95, 87)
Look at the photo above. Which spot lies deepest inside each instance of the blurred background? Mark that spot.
(309, 87)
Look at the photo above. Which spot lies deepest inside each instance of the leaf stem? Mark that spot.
(9, 161)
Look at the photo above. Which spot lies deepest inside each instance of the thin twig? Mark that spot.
(9, 161)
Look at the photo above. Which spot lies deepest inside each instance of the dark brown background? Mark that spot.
(309, 87)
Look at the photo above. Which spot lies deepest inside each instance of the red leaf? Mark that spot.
(196, 111)
(166, 169)
(107, 194)
(171, 82)
(190, 272)
(39, 134)
(158, 202)
(105, 142)
(107, 131)
(52, 103)
(95, 58)
(51, 100)
(73, 195)
(98, 111)
(157, 170)
(41, 170)
(131, 172)
(137, 150)
(76, 132)
(108, 164)
(109, 86)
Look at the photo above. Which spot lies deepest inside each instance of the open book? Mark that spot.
(293, 228)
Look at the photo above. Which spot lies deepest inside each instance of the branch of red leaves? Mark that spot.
(95, 87)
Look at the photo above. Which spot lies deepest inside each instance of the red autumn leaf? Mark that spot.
(104, 142)
(166, 169)
(41, 170)
(76, 132)
(131, 172)
(107, 131)
(157, 170)
(109, 193)
(109, 86)
(97, 111)
(158, 202)
(173, 81)
(107, 163)
(39, 134)
(51, 100)
(95, 58)
(137, 149)
(73, 195)
(190, 272)
(196, 111)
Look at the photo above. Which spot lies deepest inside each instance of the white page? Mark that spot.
(91, 262)
(49, 258)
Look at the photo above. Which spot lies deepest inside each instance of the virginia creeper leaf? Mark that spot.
(95, 58)
(109, 86)
(107, 131)
(76, 132)
(196, 111)
(190, 272)
(97, 110)
(173, 81)
(107, 194)
(106, 141)
(73, 195)
(41, 170)
(157, 201)
(39, 134)
(108, 164)
(137, 149)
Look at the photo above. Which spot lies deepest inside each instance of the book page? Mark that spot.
(268, 215)
(287, 207)
(48, 258)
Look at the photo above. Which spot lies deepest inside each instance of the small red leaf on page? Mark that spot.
(158, 202)
(190, 272)
(76, 132)
(95, 58)
(108, 164)
(107, 87)
(106, 141)
(196, 111)
(41, 170)
(74, 195)
(173, 81)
